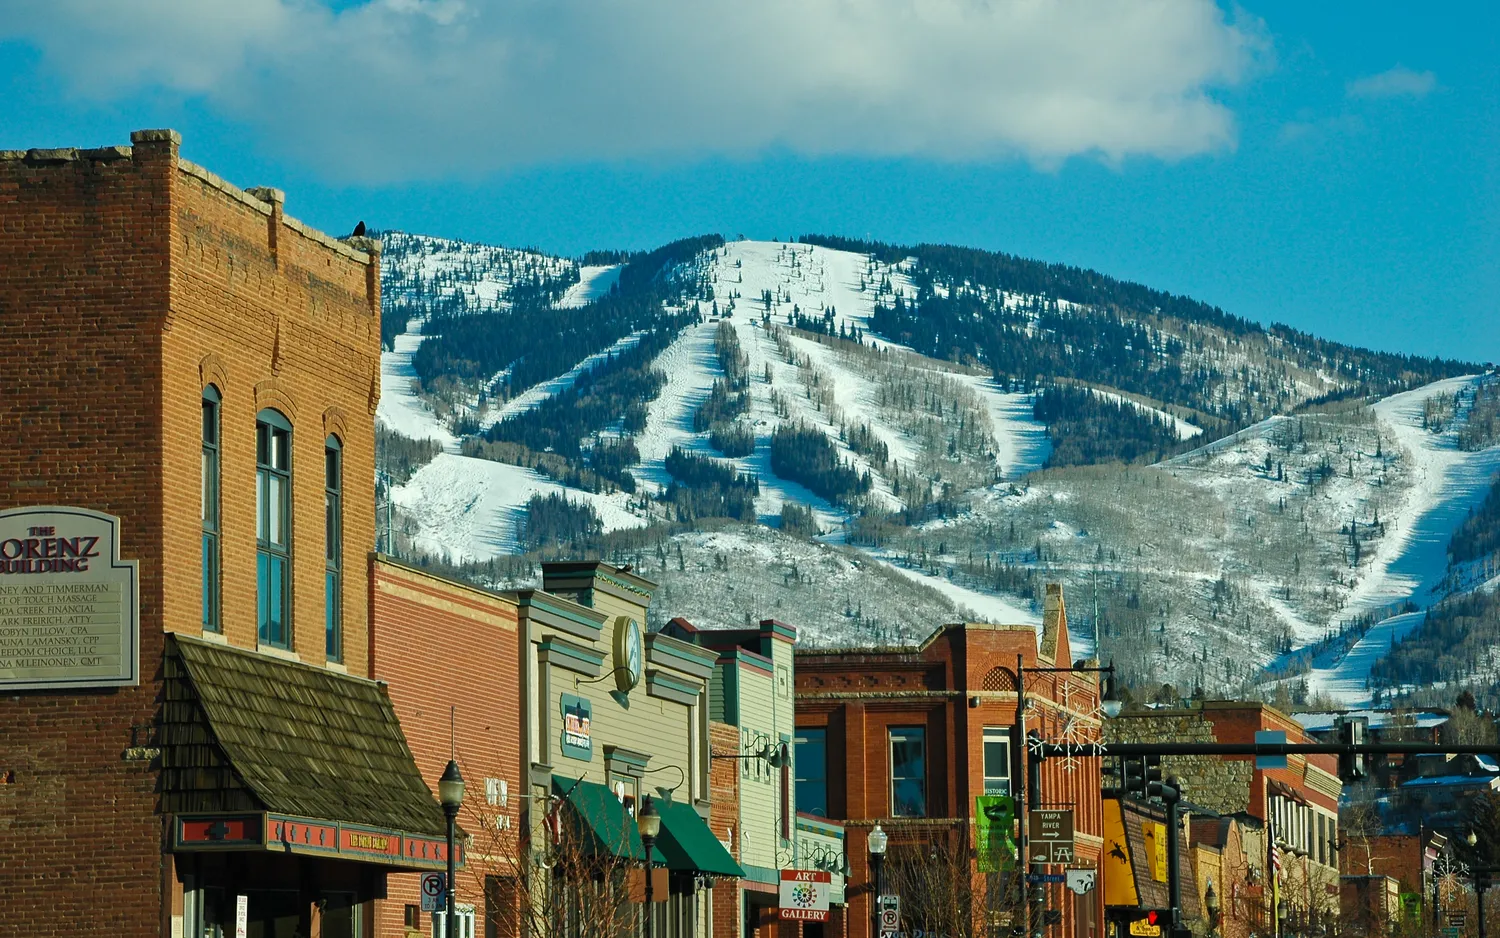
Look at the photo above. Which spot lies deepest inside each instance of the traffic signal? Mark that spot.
(1134, 781)
(1352, 732)
(1152, 777)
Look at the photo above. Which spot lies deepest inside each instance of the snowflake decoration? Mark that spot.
(1449, 873)
(1079, 737)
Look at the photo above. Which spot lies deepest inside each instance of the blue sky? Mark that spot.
(1332, 166)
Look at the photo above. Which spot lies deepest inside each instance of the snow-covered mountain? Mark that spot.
(741, 427)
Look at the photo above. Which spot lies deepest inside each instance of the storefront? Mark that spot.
(291, 794)
(753, 692)
(616, 719)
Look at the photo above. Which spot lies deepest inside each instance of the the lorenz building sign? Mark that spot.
(68, 602)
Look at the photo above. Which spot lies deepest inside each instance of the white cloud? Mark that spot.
(399, 89)
(1398, 82)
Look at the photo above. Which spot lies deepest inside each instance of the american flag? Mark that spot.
(1275, 860)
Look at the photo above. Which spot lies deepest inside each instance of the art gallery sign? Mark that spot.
(69, 605)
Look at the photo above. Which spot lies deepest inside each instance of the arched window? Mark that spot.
(333, 539)
(273, 527)
(209, 498)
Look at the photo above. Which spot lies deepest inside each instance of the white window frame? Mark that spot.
(995, 734)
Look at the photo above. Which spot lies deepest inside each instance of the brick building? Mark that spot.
(1297, 805)
(194, 376)
(450, 656)
(909, 738)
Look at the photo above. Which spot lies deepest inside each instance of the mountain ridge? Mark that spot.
(945, 469)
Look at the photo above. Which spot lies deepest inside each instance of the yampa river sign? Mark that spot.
(69, 606)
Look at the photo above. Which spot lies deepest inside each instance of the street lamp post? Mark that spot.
(1211, 903)
(648, 822)
(1028, 796)
(1483, 879)
(451, 795)
(877, 842)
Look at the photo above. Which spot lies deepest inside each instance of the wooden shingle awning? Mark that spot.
(263, 754)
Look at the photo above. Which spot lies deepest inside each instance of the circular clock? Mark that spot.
(630, 653)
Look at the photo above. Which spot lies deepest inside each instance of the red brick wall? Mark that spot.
(83, 282)
(440, 644)
(723, 819)
(859, 697)
(102, 290)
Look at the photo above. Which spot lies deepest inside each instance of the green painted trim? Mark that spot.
(670, 688)
(732, 696)
(762, 874)
(782, 630)
(626, 758)
(563, 612)
(554, 650)
(684, 656)
(757, 661)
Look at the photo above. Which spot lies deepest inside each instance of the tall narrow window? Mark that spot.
(273, 535)
(812, 770)
(209, 496)
(333, 538)
(909, 772)
(996, 760)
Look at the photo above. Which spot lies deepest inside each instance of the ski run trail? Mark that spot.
(1412, 562)
(473, 509)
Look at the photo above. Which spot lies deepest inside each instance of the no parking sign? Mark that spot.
(432, 891)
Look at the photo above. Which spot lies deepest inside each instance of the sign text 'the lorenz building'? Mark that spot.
(68, 603)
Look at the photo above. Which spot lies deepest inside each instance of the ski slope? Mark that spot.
(593, 282)
(469, 509)
(536, 394)
(400, 408)
(1411, 563)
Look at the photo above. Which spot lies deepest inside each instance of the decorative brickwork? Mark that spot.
(128, 280)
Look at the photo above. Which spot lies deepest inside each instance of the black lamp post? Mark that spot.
(876, 842)
(1211, 904)
(451, 795)
(1028, 792)
(1483, 879)
(648, 822)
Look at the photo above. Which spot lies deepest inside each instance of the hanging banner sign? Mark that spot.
(578, 727)
(995, 823)
(804, 895)
(69, 605)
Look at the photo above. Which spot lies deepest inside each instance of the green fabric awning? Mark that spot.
(613, 828)
(689, 845)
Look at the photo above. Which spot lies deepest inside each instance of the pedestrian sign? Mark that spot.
(433, 887)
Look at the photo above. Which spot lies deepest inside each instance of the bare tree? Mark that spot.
(944, 892)
(1361, 825)
(554, 881)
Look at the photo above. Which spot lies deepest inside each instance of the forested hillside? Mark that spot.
(1225, 504)
(1028, 321)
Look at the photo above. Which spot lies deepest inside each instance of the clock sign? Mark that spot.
(630, 653)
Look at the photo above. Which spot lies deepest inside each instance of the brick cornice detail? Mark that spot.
(273, 393)
(212, 370)
(334, 424)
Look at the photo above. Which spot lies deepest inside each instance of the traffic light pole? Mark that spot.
(1172, 795)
